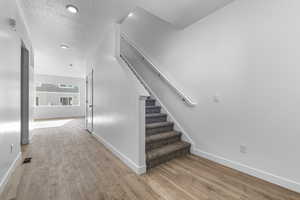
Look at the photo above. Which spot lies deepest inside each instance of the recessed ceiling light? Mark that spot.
(64, 46)
(72, 9)
(130, 14)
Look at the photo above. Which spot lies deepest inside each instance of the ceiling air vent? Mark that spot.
(12, 23)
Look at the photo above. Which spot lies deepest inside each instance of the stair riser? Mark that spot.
(150, 110)
(150, 102)
(163, 159)
(150, 120)
(153, 131)
(161, 143)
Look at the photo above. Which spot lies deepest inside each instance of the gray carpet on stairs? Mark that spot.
(163, 143)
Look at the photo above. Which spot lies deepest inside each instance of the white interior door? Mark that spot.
(89, 102)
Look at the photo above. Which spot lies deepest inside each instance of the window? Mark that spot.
(48, 94)
(65, 86)
(36, 101)
(66, 101)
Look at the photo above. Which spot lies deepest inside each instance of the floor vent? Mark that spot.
(27, 160)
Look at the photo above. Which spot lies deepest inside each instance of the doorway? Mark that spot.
(24, 94)
(89, 102)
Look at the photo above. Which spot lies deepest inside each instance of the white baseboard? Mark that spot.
(137, 169)
(10, 171)
(58, 118)
(281, 181)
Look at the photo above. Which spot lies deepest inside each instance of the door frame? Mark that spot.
(24, 101)
(87, 103)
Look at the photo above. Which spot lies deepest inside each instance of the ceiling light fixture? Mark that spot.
(64, 46)
(72, 9)
(130, 14)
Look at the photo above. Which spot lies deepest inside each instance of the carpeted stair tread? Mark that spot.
(158, 125)
(151, 99)
(162, 136)
(156, 115)
(150, 102)
(166, 150)
(153, 109)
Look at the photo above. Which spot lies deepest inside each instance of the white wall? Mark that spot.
(10, 73)
(117, 104)
(247, 55)
(48, 112)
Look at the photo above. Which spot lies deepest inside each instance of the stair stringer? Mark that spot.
(177, 126)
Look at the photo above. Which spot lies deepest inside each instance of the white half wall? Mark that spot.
(241, 64)
(117, 104)
(51, 112)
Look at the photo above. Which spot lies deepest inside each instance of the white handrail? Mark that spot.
(179, 92)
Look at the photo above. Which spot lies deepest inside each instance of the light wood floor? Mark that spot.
(69, 164)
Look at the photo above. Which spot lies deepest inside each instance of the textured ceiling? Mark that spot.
(51, 24)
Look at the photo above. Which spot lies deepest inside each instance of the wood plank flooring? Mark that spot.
(69, 164)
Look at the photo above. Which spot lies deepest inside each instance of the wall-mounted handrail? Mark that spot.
(179, 92)
(139, 78)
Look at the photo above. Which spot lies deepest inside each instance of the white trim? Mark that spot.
(31, 135)
(142, 130)
(137, 169)
(10, 171)
(281, 181)
(58, 118)
(66, 86)
(63, 92)
(48, 106)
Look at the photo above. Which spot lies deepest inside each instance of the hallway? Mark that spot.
(69, 164)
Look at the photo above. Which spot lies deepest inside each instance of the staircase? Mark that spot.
(163, 143)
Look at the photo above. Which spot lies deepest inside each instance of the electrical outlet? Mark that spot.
(243, 149)
(216, 98)
(11, 148)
